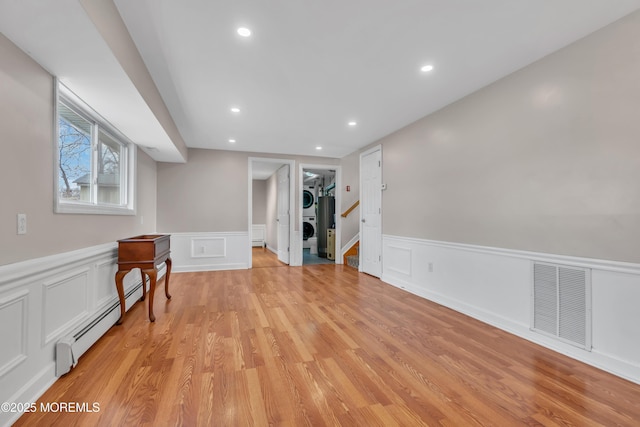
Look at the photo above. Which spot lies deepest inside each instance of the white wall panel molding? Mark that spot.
(65, 301)
(21, 271)
(44, 299)
(399, 259)
(105, 276)
(208, 247)
(599, 264)
(207, 251)
(13, 311)
(494, 285)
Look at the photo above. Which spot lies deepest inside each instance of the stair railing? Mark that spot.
(348, 211)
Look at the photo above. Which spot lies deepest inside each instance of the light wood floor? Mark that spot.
(324, 345)
(263, 257)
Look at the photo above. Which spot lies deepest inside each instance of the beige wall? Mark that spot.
(259, 201)
(210, 191)
(547, 159)
(350, 177)
(26, 172)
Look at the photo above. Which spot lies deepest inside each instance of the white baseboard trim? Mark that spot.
(208, 267)
(493, 285)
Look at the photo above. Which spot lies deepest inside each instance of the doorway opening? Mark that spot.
(319, 223)
(271, 207)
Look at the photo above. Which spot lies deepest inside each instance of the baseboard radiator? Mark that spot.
(70, 348)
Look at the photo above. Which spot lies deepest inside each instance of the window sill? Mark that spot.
(81, 208)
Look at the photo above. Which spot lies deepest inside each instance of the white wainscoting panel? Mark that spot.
(13, 312)
(400, 260)
(494, 285)
(105, 280)
(208, 251)
(258, 235)
(65, 303)
(209, 247)
(615, 321)
(44, 299)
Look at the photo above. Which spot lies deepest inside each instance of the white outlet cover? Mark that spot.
(22, 223)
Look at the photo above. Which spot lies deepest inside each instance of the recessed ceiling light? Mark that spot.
(426, 68)
(232, 141)
(235, 110)
(352, 123)
(244, 32)
(318, 148)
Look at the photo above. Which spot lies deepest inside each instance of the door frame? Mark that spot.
(363, 154)
(292, 205)
(338, 196)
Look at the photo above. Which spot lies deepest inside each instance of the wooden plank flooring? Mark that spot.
(263, 257)
(324, 345)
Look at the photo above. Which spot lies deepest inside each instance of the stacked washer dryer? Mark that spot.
(309, 218)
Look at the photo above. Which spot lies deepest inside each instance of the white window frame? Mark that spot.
(127, 164)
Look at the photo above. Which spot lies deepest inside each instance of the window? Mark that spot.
(94, 162)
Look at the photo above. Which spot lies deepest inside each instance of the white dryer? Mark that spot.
(309, 200)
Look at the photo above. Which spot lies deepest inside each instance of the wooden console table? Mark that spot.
(145, 252)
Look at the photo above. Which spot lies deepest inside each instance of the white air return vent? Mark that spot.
(561, 303)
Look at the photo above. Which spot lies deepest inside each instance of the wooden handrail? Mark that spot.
(348, 211)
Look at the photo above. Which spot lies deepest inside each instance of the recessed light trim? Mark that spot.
(426, 68)
(235, 110)
(243, 32)
(232, 141)
(318, 148)
(352, 123)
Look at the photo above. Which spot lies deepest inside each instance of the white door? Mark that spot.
(371, 213)
(283, 214)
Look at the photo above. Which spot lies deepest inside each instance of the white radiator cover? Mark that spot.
(561, 303)
(258, 235)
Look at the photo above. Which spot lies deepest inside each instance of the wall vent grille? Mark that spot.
(561, 303)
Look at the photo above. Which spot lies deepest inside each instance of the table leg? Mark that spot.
(144, 285)
(166, 278)
(152, 273)
(120, 287)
